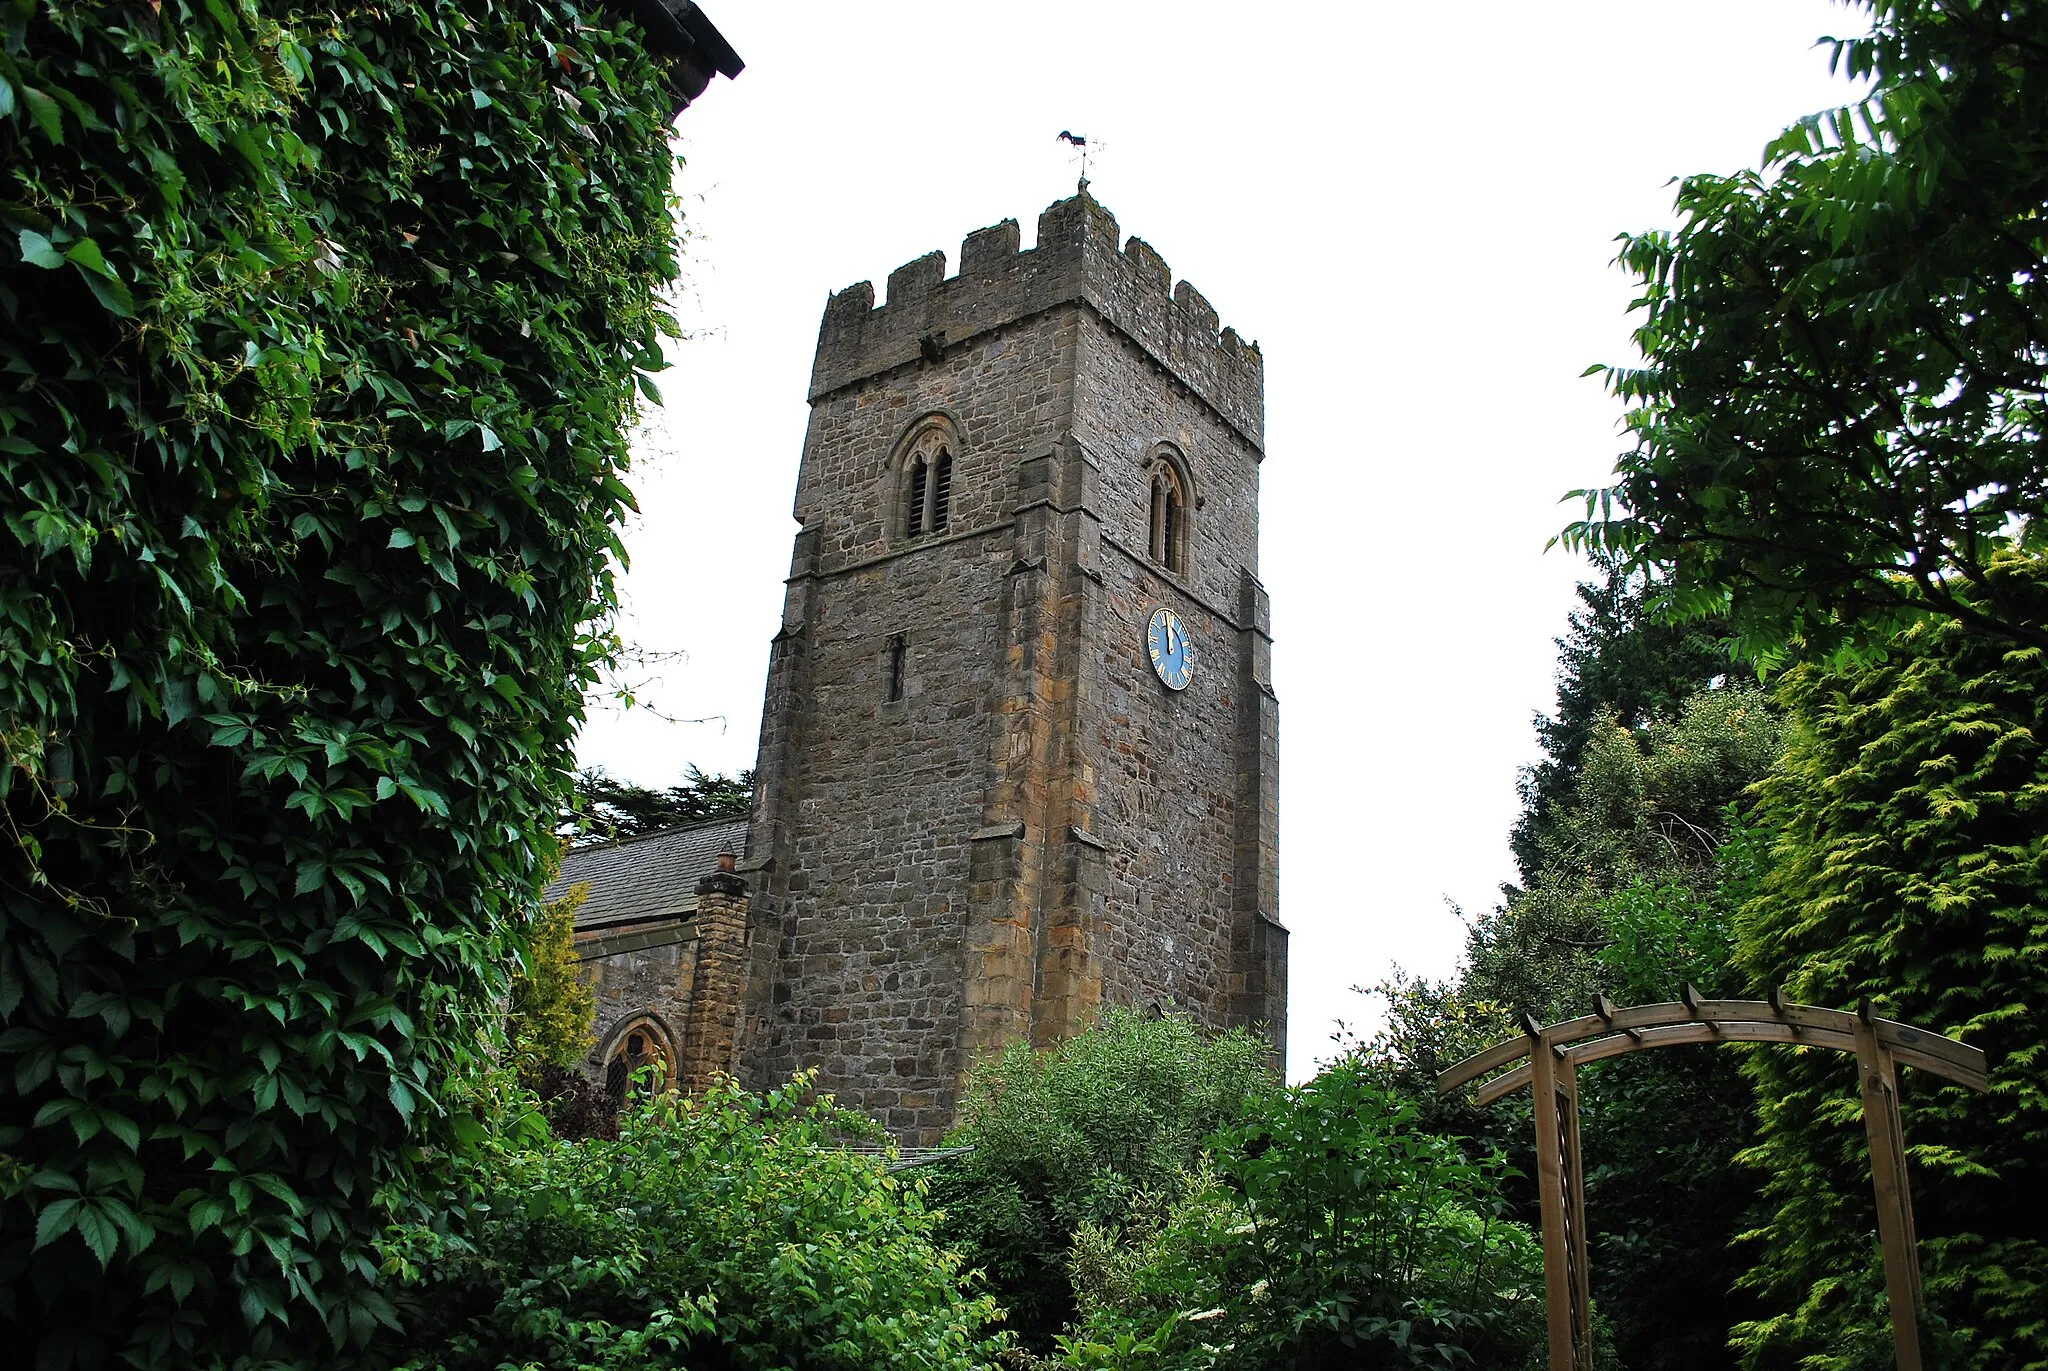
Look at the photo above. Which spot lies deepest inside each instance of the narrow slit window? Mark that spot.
(899, 653)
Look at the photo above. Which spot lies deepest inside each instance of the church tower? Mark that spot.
(1018, 750)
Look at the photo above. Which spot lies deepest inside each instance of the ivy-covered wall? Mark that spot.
(322, 333)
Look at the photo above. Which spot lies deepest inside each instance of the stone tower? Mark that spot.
(982, 813)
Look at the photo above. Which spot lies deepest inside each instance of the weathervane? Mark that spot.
(1080, 144)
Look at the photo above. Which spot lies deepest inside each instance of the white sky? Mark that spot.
(1411, 207)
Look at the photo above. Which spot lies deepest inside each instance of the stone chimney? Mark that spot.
(710, 1047)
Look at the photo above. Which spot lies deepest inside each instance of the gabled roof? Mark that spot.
(652, 876)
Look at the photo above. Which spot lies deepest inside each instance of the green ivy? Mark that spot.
(1911, 867)
(322, 334)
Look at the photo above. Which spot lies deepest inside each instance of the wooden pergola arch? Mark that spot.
(1556, 1051)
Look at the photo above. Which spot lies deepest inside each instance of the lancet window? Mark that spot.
(1169, 528)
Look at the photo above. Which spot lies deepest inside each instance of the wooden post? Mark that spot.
(1888, 1177)
(1558, 1280)
(1573, 1173)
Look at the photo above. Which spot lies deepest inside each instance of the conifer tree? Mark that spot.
(1911, 869)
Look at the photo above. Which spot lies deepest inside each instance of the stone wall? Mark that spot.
(655, 984)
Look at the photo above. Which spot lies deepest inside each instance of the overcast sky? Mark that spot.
(1411, 207)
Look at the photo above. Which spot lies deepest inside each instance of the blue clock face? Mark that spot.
(1173, 656)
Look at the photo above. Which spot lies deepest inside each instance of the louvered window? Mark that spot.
(942, 492)
(914, 520)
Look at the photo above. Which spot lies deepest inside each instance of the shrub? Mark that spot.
(1073, 1134)
(551, 1007)
(322, 331)
(1332, 1232)
(731, 1231)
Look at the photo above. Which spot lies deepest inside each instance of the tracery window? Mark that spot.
(928, 491)
(1169, 528)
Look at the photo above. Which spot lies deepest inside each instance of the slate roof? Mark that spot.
(652, 876)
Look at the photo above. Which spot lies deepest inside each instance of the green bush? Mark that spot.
(322, 331)
(1074, 1135)
(731, 1231)
(1911, 867)
(1645, 855)
(1332, 1232)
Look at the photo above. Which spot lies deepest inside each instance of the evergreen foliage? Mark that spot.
(551, 1009)
(1073, 1135)
(607, 810)
(1614, 662)
(733, 1231)
(1845, 356)
(322, 332)
(1911, 867)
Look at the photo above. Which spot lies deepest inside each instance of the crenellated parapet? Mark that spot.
(1078, 259)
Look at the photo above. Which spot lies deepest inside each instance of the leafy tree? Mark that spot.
(1073, 1134)
(733, 1230)
(1665, 1197)
(322, 332)
(1635, 896)
(1617, 662)
(1644, 858)
(1845, 355)
(1911, 868)
(1649, 807)
(552, 1009)
(1332, 1232)
(607, 810)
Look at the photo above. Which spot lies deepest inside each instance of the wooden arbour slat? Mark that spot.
(1900, 1037)
(1551, 1055)
(1737, 1031)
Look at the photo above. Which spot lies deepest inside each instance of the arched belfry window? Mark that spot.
(1169, 527)
(928, 478)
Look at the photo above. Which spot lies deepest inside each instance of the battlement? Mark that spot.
(1077, 260)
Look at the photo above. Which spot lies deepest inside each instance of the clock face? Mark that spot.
(1173, 656)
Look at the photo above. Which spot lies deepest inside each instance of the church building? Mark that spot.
(1018, 756)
